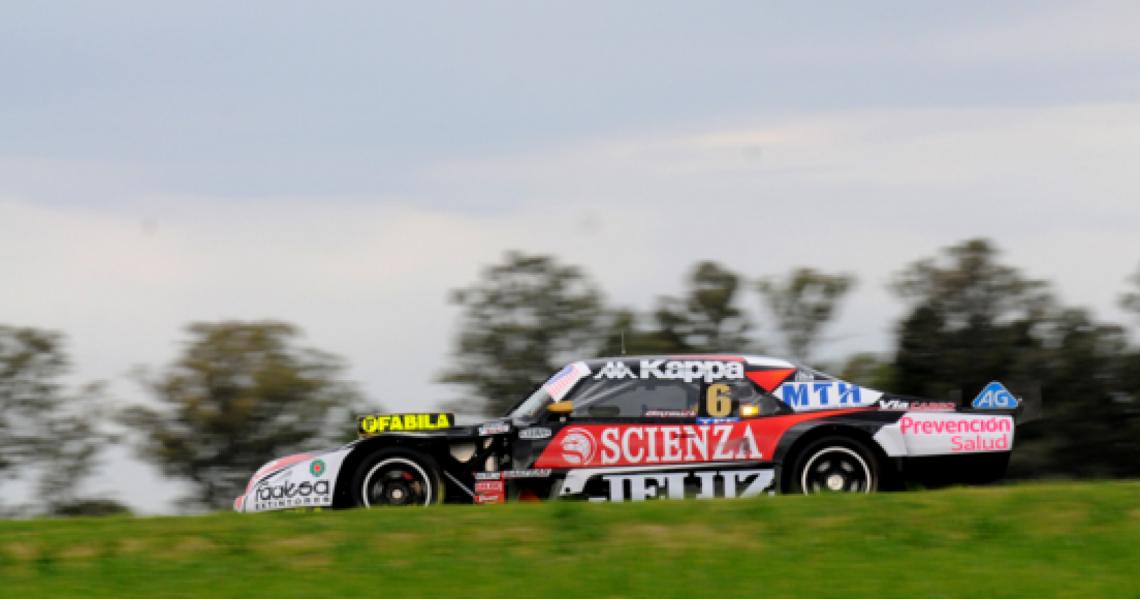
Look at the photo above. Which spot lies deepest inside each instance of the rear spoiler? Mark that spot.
(1022, 400)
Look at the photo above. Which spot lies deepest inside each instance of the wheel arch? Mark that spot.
(342, 496)
(795, 441)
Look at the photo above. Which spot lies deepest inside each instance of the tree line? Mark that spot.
(241, 393)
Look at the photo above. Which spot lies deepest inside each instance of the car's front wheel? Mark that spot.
(833, 465)
(397, 478)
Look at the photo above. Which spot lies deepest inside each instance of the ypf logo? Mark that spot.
(578, 446)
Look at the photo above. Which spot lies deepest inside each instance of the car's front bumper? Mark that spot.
(299, 480)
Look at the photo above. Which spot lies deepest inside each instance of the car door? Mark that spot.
(632, 436)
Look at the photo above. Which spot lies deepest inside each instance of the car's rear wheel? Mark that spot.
(834, 465)
(397, 478)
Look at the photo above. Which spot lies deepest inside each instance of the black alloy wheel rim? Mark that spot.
(836, 470)
(396, 483)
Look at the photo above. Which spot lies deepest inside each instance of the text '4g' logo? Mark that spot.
(994, 397)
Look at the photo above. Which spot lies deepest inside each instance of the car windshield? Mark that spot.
(532, 406)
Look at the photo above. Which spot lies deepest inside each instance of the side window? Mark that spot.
(639, 398)
(724, 399)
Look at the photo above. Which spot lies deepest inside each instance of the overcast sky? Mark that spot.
(341, 166)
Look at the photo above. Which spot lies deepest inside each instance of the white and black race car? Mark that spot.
(634, 428)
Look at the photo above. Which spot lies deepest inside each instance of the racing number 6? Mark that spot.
(718, 400)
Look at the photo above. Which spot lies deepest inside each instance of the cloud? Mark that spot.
(1065, 33)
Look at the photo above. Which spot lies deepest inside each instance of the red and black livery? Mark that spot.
(635, 428)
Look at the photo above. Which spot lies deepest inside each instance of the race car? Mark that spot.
(647, 427)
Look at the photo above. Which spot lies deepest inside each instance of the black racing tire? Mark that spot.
(397, 477)
(833, 464)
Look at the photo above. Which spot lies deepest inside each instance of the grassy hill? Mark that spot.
(1054, 540)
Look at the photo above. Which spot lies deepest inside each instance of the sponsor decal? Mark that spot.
(669, 413)
(489, 486)
(494, 428)
(670, 444)
(578, 446)
(823, 395)
(965, 434)
(286, 493)
(535, 432)
(672, 485)
(940, 427)
(511, 474)
(615, 370)
(489, 491)
(994, 397)
(642, 444)
(804, 376)
(902, 406)
(533, 473)
(720, 420)
(684, 370)
(300, 483)
(564, 380)
(383, 423)
(660, 445)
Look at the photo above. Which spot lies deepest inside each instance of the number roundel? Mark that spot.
(718, 400)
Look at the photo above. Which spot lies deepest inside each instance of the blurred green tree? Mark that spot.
(1131, 299)
(706, 320)
(241, 394)
(868, 369)
(969, 316)
(973, 320)
(523, 320)
(803, 303)
(625, 334)
(45, 430)
(1089, 381)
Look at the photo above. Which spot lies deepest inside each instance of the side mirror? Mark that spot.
(560, 408)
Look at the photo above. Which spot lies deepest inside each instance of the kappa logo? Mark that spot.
(578, 446)
(994, 397)
(615, 370)
(685, 370)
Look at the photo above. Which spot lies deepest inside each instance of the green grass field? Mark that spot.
(1048, 540)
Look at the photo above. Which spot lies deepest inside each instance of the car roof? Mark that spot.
(749, 359)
